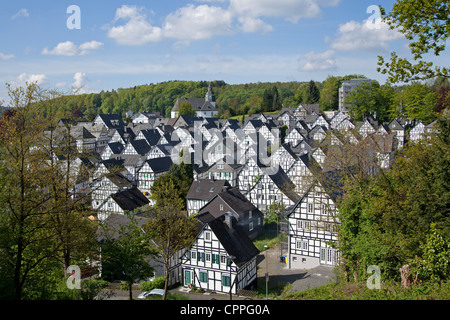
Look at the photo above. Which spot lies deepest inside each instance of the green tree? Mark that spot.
(418, 102)
(312, 93)
(126, 252)
(186, 109)
(363, 100)
(425, 24)
(26, 240)
(435, 261)
(172, 232)
(385, 218)
(329, 96)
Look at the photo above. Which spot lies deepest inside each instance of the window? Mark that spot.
(215, 258)
(188, 255)
(194, 255)
(226, 280)
(302, 245)
(310, 207)
(250, 214)
(208, 257)
(250, 226)
(207, 236)
(223, 259)
(203, 276)
(221, 207)
(302, 224)
(201, 256)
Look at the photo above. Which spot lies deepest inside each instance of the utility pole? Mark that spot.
(267, 271)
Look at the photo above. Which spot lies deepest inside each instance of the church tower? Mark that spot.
(210, 97)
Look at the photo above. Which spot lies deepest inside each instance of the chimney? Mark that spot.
(228, 220)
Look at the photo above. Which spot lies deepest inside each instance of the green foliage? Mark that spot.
(329, 96)
(435, 262)
(389, 291)
(125, 252)
(186, 109)
(174, 185)
(425, 24)
(157, 283)
(387, 217)
(418, 101)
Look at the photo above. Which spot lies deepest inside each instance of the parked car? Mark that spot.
(146, 294)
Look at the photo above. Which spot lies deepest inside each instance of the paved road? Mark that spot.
(278, 273)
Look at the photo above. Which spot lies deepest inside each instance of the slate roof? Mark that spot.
(235, 242)
(206, 189)
(116, 147)
(112, 121)
(114, 222)
(141, 146)
(161, 164)
(197, 104)
(130, 199)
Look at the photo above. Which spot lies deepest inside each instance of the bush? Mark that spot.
(157, 283)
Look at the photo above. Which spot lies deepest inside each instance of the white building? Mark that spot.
(313, 226)
(222, 258)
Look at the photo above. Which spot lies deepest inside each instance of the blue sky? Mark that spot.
(122, 44)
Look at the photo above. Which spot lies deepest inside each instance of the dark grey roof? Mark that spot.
(282, 181)
(161, 164)
(116, 147)
(197, 104)
(130, 199)
(141, 146)
(206, 189)
(114, 222)
(152, 136)
(235, 242)
(112, 121)
(236, 200)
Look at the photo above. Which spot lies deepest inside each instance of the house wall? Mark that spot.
(207, 263)
(312, 225)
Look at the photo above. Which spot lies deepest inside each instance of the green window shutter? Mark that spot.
(226, 281)
(203, 276)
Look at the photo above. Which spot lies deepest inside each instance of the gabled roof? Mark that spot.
(206, 189)
(111, 121)
(131, 199)
(235, 242)
(116, 147)
(141, 146)
(236, 200)
(161, 164)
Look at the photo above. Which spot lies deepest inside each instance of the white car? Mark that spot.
(144, 295)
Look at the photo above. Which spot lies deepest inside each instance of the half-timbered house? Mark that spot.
(221, 258)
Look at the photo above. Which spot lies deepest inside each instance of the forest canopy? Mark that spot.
(234, 100)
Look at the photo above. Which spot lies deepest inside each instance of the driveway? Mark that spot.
(279, 273)
(301, 279)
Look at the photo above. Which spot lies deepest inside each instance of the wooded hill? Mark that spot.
(253, 98)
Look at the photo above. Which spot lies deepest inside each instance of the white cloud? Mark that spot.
(137, 30)
(198, 22)
(313, 61)
(22, 13)
(253, 25)
(4, 57)
(25, 78)
(68, 48)
(87, 47)
(80, 84)
(364, 36)
(290, 10)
